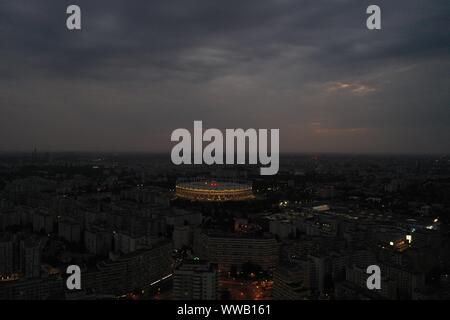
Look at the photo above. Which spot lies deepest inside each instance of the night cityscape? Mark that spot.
(307, 233)
(233, 158)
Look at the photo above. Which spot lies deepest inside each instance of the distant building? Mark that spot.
(179, 217)
(290, 283)
(407, 281)
(9, 218)
(195, 280)
(282, 228)
(319, 268)
(31, 256)
(33, 289)
(43, 221)
(6, 256)
(126, 243)
(214, 190)
(355, 286)
(98, 241)
(131, 272)
(230, 250)
(182, 237)
(69, 230)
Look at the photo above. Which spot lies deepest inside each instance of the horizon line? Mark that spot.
(3, 152)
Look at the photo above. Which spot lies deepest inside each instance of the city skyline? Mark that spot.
(79, 227)
(135, 73)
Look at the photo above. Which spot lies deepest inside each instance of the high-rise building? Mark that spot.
(43, 221)
(355, 286)
(33, 289)
(98, 241)
(407, 281)
(290, 282)
(127, 243)
(31, 253)
(319, 265)
(6, 255)
(134, 271)
(196, 280)
(233, 250)
(182, 236)
(69, 230)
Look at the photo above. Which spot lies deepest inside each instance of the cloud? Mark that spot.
(139, 70)
(355, 88)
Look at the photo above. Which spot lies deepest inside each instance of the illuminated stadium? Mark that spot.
(214, 190)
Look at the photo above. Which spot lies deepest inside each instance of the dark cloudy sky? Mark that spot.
(140, 69)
